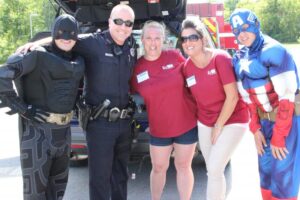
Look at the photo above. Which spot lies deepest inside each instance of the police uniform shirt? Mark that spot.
(108, 68)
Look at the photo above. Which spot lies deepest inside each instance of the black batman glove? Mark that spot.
(11, 100)
(35, 114)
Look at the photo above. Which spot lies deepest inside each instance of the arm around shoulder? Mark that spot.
(30, 46)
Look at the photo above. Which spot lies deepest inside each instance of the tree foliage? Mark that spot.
(15, 22)
(279, 18)
(229, 7)
(282, 19)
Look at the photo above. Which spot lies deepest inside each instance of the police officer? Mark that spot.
(47, 81)
(110, 56)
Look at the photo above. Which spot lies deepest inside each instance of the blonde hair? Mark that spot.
(154, 24)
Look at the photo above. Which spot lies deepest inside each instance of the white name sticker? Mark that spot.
(142, 76)
(190, 81)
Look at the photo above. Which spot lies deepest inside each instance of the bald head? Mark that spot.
(121, 23)
(121, 8)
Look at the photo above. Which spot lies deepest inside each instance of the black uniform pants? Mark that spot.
(45, 154)
(108, 151)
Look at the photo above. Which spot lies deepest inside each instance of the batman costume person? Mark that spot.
(47, 81)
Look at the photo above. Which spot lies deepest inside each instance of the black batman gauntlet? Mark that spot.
(11, 100)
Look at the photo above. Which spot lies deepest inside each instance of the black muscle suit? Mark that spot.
(47, 81)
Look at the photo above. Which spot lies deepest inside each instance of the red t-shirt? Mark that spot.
(171, 111)
(206, 85)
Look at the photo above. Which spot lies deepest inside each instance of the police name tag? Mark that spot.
(109, 54)
(142, 76)
(191, 81)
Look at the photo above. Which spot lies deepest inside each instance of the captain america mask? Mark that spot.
(65, 27)
(243, 20)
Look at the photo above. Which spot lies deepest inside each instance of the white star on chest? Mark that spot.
(244, 65)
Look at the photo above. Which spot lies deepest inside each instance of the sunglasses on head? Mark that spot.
(191, 38)
(119, 22)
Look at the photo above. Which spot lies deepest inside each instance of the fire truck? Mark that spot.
(212, 15)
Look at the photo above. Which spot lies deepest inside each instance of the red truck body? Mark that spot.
(212, 15)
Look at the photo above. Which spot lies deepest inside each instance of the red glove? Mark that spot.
(254, 124)
(283, 123)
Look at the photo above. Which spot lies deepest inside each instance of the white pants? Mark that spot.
(218, 155)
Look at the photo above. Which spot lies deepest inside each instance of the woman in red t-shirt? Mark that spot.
(171, 112)
(222, 116)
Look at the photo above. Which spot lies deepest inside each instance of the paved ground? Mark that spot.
(241, 174)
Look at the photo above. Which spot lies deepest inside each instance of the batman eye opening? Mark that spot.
(72, 33)
(60, 32)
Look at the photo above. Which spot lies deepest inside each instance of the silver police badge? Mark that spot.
(132, 52)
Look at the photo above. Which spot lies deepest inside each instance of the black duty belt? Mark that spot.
(113, 114)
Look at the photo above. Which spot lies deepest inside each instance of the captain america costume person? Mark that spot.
(47, 81)
(268, 83)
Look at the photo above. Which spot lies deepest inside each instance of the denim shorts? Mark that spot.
(189, 137)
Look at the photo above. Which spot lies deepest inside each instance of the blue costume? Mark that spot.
(268, 83)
